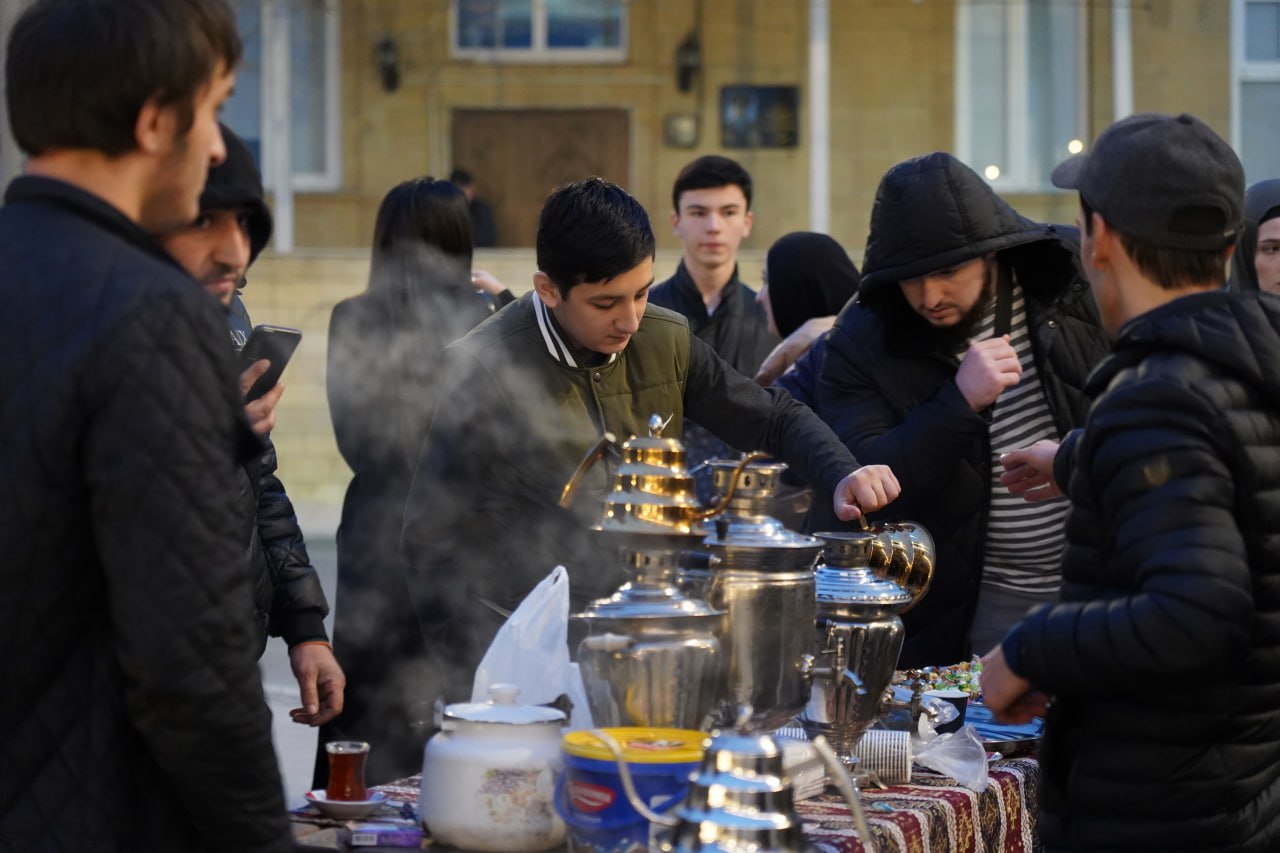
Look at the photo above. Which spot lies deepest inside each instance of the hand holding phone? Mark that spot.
(274, 343)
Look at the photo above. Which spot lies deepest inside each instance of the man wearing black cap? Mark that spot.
(217, 249)
(1162, 657)
(972, 334)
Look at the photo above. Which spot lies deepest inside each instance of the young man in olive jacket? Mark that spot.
(973, 331)
(1162, 657)
(529, 391)
(132, 715)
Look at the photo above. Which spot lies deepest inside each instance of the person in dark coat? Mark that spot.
(216, 250)
(711, 214)
(806, 280)
(133, 716)
(385, 349)
(1162, 656)
(1255, 265)
(484, 226)
(973, 330)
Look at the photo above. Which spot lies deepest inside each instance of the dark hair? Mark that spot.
(711, 171)
(591, 231)
(1172, 269)
(79, 71)
(414, 218)
(461, 177)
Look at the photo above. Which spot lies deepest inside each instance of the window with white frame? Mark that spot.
(1020, 106)
(1255, 96)
(540, 30)
(309, 90)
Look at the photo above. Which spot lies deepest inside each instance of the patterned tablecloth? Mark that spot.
(931, 814)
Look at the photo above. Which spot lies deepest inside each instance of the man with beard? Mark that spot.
(216, 249)
(972, 335)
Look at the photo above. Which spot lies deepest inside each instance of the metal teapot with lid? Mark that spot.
(740, 798)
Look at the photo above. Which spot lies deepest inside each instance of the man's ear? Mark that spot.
(155, 126)
(675, 221)
(1104, 240)
(747, 219)
(547, 290)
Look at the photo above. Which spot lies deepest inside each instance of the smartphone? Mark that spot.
(274, 343)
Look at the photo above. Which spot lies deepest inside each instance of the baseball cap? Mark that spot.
(1166, 180)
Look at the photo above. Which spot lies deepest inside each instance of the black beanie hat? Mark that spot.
(236, 182)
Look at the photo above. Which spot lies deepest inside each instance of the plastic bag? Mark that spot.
(960, 755)
(531, 651)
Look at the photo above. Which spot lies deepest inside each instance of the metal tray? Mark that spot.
(1008, 740)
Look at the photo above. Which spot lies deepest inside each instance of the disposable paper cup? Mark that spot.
(887, 753)
(955, 697)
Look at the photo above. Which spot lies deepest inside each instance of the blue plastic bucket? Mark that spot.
(589, 796)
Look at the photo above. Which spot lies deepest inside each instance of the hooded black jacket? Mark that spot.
(887, 385)
(1163, 654)
(1260, 204)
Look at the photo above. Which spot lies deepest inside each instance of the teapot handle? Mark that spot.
(607, 441)
(628, 785)
(723, 504)
(840, 778)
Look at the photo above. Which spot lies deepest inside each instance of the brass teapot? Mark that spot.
(652, 489)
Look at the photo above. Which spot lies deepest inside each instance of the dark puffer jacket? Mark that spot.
(887, 385)
(290, 600)
(132, 715)
(1164, 653)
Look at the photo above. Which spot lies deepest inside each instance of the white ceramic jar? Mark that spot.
(488, 776)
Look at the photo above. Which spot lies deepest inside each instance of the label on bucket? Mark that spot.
(589, 798)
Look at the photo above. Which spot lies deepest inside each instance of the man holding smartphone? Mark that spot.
(217, 249)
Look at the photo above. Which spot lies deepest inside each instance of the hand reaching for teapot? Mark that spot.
(987, 369)
(1028, 471)
(867, 489)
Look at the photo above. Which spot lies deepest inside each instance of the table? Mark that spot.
(931, 814)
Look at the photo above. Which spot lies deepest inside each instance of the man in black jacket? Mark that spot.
(1163, 654)
(711, 214)
(973, 333)
(217, 249)
(133, 716)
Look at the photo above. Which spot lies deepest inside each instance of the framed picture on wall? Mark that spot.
(759, 116)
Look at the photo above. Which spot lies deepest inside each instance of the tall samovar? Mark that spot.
(652, 655)
(761, 574)
(858, 626)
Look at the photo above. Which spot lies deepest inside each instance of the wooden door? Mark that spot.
(518, 156)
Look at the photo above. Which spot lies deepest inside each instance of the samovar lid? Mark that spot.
(856, 586)
(649, 601)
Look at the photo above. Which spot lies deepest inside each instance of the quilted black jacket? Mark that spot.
(287, 591)
(132, 715)
(1164, 653)
(887, 385)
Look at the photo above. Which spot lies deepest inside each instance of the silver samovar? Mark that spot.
(761, 575)
(858, 626)
(652, 655)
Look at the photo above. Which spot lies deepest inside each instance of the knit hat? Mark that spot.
(237, 183)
